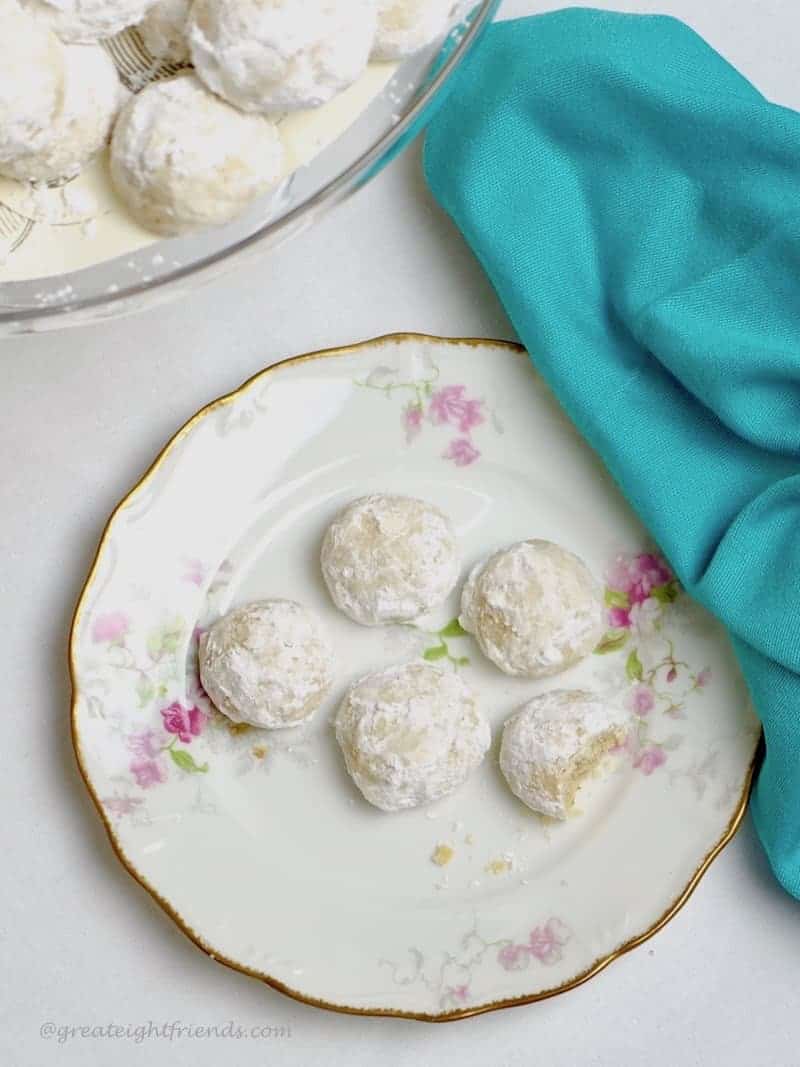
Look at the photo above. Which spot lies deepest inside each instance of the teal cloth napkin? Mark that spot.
(636, 204)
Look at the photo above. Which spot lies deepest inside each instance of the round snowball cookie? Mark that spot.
(267, 664)
(182, 159)
(405, 26)
(389, 559)
(81, 124)
(164, 29)
(31, 84)
(534, 609)
(551, 744)
(410, 735)
(83, 21)
(280, 55)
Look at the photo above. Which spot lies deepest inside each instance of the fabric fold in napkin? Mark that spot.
(635, 202)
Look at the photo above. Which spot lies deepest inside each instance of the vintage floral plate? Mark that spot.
(257, 843)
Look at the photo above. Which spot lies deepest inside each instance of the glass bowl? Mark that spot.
(166, 268)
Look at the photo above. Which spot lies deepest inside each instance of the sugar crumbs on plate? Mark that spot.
(442, 855)
(500, 865)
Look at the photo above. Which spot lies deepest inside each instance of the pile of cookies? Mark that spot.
(413, 733)
(195, 150)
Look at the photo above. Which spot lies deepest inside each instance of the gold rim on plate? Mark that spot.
(451, 1016)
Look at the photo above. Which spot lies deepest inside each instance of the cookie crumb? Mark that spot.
(442, 855)
(502, 865)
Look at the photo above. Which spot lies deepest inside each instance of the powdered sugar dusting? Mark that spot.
(273, 56)
(267, 664)
(405, 26)
(79, 127)
(182, 158)
(164, 30)
(534, 608)
(31, 84)
(389, 559)
(83, 21)
(543, 740)
(410, 735)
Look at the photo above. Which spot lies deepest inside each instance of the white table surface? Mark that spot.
(82, 413)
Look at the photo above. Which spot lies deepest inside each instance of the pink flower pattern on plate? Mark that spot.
(640, 589)
(119, 806)
(412, 420)
(637, 576)
(545, 943)
(145, 745)
(448, 406)
(703, 678)
(451, 405)
(185, 722)
(650, 758)
(461, 451)
(642, 700)
(513, 957)
(110, 628)
(619, 618)
(195, 572)
(148, 772)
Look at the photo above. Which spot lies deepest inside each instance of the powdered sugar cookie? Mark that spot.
(80, 124)
(551, 743)
(83, 21)
(410, 735)
(182, 159)
(280, 55)
(534, 609)
(31, 84)
(267, 664)
(389, 559)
